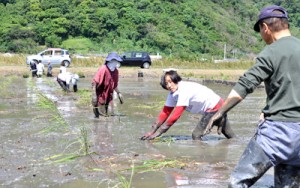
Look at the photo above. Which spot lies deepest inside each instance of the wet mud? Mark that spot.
(50, 138)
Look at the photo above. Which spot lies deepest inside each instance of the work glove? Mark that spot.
(120, 96)
(162, 129)
(155, 126)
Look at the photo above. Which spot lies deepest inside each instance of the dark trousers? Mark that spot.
(202, 124)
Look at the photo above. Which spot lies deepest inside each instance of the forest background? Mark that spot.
(184, 29)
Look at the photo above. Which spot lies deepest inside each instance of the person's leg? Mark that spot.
(201, 126)
(96, 111)
(102, 110)
(75, 88)
(251, 166)
(62, 84)
(287, 176)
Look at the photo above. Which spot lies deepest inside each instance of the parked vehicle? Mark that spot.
(54, 55)
(134, 58)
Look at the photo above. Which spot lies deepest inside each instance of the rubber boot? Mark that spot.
(251, 166)
(103, 110)
(96, 112)
(287, 176)
(75, 88)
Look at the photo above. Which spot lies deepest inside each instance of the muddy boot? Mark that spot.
(287, 176)
(75, 88)
(103, 110)
(226, 128)
(251, 166)
(198, 132)
(96, 112)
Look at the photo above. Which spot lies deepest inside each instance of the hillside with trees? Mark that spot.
(189, 29)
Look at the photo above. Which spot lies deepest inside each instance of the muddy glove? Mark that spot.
(162, 129)
(221, 115)
(121, 98)
(148, 134)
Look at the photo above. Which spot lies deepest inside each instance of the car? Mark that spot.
(54, 55)
(135, 58)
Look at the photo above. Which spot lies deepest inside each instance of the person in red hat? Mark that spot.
(276, 142)
(104, 83)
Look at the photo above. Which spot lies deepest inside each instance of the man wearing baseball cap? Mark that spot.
(276, 142)
(104, 83)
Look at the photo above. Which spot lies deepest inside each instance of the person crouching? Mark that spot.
(64, 79)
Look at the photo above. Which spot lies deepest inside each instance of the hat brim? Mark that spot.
(114, 58)
(256, 26)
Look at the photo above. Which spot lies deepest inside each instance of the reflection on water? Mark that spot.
(115, 139)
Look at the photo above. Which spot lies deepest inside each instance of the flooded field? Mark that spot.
(50, 138)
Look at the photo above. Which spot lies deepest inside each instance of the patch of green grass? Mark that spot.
(85, 97)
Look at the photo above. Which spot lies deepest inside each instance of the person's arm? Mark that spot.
(178, 111)
(162, 117)
(233, 99)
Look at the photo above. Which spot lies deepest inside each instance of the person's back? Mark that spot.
(198, 98)
(282, 86)
(33, 69)
(40, 69)
(49, 70)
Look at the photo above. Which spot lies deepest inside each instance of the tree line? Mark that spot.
(189, 29)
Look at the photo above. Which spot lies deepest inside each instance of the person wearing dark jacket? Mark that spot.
(33, 69)
(276, 142)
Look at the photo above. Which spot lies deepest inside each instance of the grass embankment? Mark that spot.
(15, 64)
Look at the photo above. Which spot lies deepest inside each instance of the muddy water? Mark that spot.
(35, 136)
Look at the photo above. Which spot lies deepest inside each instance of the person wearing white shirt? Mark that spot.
(62, 68)
(67, 78)
(192, 97)
(40, 68)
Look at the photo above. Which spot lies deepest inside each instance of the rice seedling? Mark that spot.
(56, 117)
(157, 165)
(83, 150)
(167, 140)
(5, 83)
(84, 97)
(156, 106)
(123, 182)
(25, 75)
